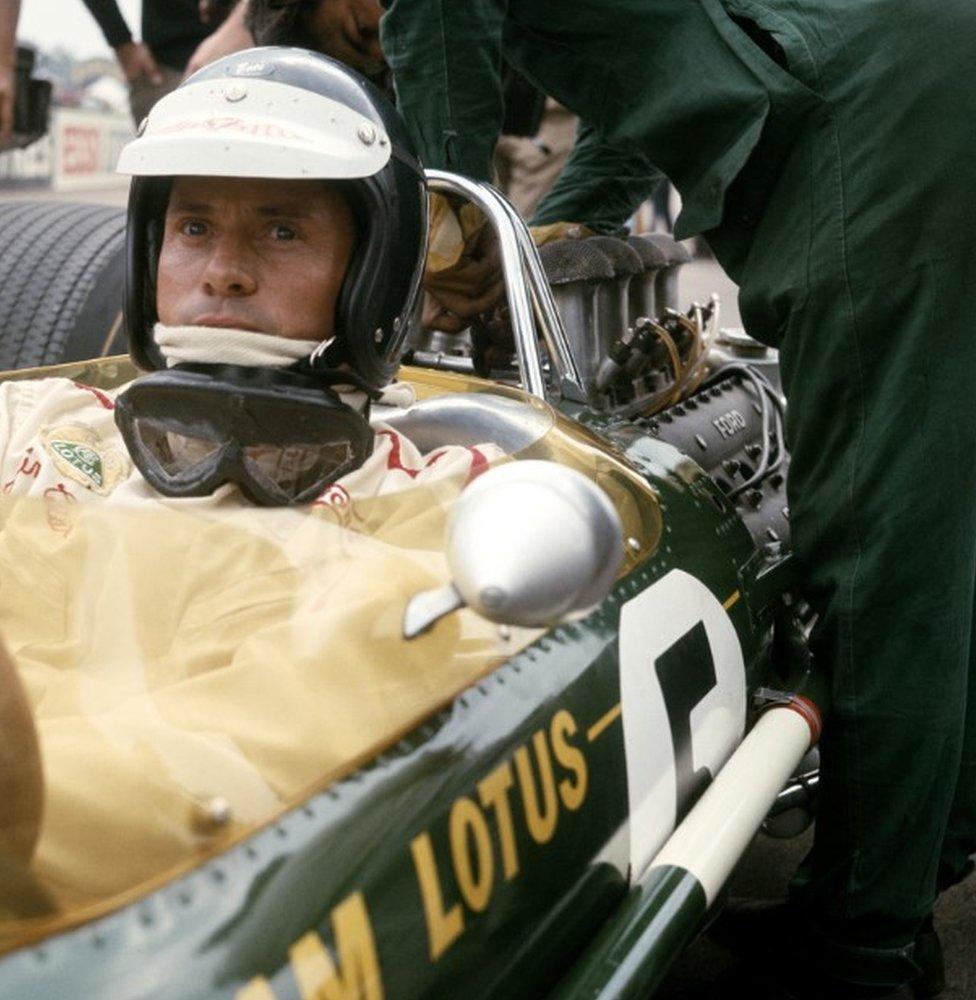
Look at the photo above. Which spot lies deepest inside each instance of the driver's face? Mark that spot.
(262, 255)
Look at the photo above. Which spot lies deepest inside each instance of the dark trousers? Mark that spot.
(863, 272)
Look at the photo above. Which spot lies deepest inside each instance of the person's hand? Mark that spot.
(137, 61)
(458, 294)
(462, 277)
(7, 94)
(348, 30)
(231, 36)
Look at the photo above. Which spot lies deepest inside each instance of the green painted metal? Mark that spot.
(637, 945)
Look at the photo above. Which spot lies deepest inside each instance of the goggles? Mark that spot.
(281, 436)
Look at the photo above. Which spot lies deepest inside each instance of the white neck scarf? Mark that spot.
(221, 346)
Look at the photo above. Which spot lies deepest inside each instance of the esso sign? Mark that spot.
(86, 148)
(81, 150)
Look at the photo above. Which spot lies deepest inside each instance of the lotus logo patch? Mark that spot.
(79, 453)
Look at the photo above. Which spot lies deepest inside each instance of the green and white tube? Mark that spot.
(636, 946)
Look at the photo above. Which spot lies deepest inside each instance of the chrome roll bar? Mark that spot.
(529, 297)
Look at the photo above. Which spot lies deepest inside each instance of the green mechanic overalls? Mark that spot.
(828, 150)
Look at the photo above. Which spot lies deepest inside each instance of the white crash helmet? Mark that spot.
(289, 113)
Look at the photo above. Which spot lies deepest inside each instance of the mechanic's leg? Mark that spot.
(960, 840)
(881, 487)
(864, 269)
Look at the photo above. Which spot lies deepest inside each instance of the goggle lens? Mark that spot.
(296, 468)
(175, 453)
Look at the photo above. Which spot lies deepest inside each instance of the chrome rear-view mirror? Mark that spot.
(529, 543)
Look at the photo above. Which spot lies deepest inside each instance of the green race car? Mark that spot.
(498, 739)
